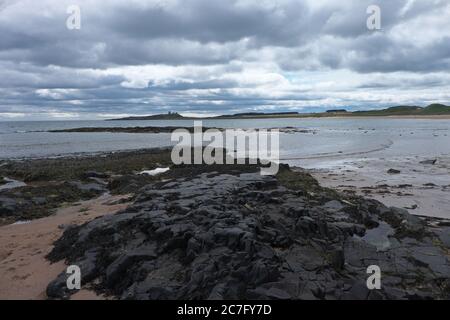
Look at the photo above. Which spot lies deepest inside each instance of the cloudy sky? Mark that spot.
(216, 57)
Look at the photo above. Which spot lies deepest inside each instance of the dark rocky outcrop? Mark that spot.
(243, 235)
(36, 188)
(32, 202)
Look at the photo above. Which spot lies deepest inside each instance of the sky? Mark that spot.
(211, 57)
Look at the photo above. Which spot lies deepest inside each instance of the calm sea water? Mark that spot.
(334, 138)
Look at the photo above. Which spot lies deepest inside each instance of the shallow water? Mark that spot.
(335, 141)
(342, 153)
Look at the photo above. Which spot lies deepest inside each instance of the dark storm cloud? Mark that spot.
(37, 77)
(392, 57)
(217, 21)
(183, 32)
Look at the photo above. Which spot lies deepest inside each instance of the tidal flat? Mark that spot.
(207, 232)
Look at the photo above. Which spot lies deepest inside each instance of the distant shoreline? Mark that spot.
(309, 116)
(425, 117)
(432, 111)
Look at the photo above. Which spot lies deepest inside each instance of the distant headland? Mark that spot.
(431, 110)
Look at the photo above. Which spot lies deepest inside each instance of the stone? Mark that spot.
(334, 205)
(39, 200)
(223, 236)
(57, 289)
(8, 206)
(269, 294)
(89, 187)
(120, 266)
(95, 174)
(431, 161)
(337, 258)
(358, 291)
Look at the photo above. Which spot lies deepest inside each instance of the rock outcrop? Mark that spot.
(243, 235)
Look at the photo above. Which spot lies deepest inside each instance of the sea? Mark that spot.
(323, 143)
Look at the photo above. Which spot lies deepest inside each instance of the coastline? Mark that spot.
(300, 116)
(28, 274)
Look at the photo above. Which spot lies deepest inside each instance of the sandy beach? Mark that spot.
(405, 169)
(24, 270)
(422, 188)
(156, 240)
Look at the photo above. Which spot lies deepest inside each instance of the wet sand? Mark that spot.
(24, 271)
(423, 189)
(435, 117)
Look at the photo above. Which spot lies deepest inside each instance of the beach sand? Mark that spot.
(423, 189)
(24, 271)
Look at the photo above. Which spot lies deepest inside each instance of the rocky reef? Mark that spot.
(36, 188)
(240, 235)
